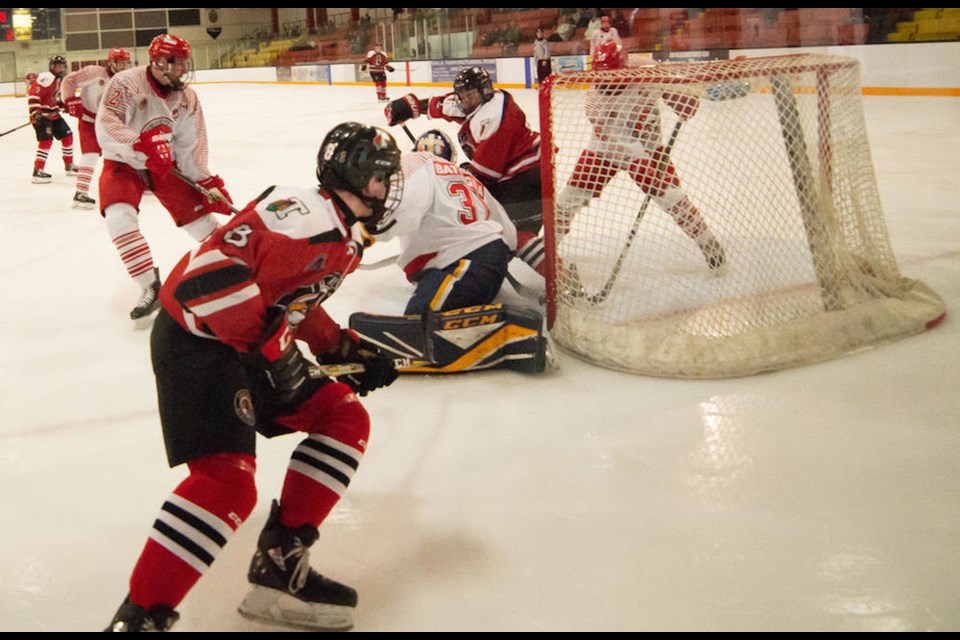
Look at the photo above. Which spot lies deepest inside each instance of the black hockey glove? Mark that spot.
(280, 358)
(402, 109)
(378, 370)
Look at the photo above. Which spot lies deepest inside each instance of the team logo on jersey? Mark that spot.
(243, 407)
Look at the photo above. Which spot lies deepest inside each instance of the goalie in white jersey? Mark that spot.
(148, 124)
(626, 137)
(456, 242)
(455, 238)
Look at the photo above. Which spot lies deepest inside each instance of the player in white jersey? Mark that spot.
(455, 238)
(456, 241)
(149, 123)
(90, 81)
(626, 123)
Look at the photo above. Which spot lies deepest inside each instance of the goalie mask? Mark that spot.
(439, 144)
(170, 58)
(350, 156)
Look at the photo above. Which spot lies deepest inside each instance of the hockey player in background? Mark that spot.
(43, 103)
(150, 122)
(90, 81)
(227, 366)
(503, 152)
(456, 242)
(378, 64)
(626, 123)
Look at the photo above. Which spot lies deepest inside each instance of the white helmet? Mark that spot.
(439, 144)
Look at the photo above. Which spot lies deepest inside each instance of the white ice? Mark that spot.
(821, 498)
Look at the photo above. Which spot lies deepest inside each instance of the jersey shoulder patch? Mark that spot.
(46, 79)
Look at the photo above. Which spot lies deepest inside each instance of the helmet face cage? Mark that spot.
(609, 56)
(350, 156)
(439, 144)
(473, 78)
(162, 52)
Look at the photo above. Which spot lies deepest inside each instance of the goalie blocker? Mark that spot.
(467, 339)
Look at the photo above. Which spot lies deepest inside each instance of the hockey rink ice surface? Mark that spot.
(820, 498)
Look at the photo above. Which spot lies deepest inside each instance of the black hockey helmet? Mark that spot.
(474, 78)
(353, 153)
(55, 61)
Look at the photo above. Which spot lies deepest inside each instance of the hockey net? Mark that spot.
(777, 163)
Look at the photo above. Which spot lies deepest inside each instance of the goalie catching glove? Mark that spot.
(378, 370)
(280, 358)
(406, 108)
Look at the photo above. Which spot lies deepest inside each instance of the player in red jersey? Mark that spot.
(504, 151)
(90, 81)
(378, 64)
(228, 366)
(43, 102)
(148, 123)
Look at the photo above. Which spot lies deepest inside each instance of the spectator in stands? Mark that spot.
(604, 33)
(510, 38)
(619, 22)
(565, 29)
(592, 25)
(581, 18)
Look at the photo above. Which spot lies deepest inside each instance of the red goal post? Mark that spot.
(776, 163)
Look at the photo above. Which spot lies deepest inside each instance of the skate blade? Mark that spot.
(83, 205)
(270, 605)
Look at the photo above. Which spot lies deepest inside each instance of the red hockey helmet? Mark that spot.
(167, 45)
(118, 59)
(609, 55)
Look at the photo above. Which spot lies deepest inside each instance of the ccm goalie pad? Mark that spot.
(468, 339)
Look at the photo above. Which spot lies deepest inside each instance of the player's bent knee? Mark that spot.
(335, 410)
(121, 218)
(231, 477)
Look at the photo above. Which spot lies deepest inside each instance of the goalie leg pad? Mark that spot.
(467, 339)
(485, 337)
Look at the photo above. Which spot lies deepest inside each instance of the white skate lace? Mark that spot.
(298, 577)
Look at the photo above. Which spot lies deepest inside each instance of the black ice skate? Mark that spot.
(149, 299)
(71, 169)
(285, 589)
(40, 176)
(132, 618)
(83, 201)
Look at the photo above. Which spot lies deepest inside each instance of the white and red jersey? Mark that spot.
(91, 81)
(134, 102)
(601, 35)
(445, 214)
(377, 61)
(44, 96)
(495, 136)
(626, 121)
(290, 249)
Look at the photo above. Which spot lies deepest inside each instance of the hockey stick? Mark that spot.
(206, 192)
(16, 129)
(601, 295)
(409, 135)
(334, 370)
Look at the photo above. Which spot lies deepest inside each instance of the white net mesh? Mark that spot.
(761, 242)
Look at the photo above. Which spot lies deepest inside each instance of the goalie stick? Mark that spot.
(601, 295)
